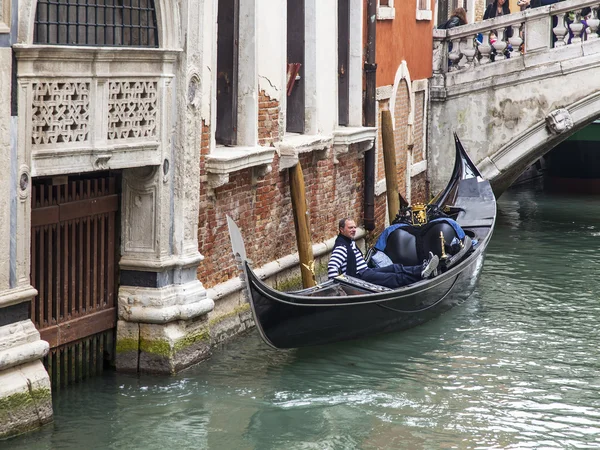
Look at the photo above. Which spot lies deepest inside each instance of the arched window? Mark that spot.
(112, 23)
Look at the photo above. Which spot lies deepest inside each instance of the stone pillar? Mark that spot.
(162, 326)
(25, 396)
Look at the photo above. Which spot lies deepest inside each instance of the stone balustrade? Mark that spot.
(511, 37)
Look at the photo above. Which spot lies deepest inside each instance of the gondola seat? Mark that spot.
(410, 245)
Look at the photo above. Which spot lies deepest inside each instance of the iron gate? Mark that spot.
(74, 223)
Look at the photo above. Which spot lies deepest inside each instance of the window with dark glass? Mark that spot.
(343, 60)
(227, 62)
(295, 66)
(114, 23)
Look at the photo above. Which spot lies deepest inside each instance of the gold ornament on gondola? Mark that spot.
(310, 267)
(443, 244)
(418, 214)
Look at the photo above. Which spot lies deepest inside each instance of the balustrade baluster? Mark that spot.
(455, 54)
(469, 51)
(500, 45)
(485, 49)
(592, 25)
(576, 28)
(515, 41)
(560, 30)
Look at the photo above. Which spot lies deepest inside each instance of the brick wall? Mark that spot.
(402, 109)
(263, 211)
(268, 120)
(419, 188)
(417, 151)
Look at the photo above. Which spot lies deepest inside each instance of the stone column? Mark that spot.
(162, 326)
(163, 307)
(25, 397)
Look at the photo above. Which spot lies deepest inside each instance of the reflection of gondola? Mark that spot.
(346, 308)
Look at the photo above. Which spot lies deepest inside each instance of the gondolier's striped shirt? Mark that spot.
(337, 261)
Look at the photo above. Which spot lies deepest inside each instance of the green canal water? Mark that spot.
(514, 367)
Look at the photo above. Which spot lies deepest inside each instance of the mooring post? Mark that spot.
(302, 223)
(389, 161)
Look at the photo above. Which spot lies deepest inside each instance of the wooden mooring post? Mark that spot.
(302, 224)
(389, 161)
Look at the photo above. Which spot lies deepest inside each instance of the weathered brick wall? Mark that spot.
(380, 175)
(480, 6)
(420, 188)
(402, 109)
(263, 211)
(268, 120)
(417, 150)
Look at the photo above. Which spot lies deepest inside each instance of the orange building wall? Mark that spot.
(403, 38)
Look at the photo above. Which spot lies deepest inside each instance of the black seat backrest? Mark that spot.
(411, 245)
(401, 246)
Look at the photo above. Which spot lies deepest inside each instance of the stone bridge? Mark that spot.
(509, 111)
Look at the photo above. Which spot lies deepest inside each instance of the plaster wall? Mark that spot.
(326, 69)
(272, 48)
(404, 38)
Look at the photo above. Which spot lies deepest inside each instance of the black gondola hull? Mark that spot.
(343, 309)
(292, 325)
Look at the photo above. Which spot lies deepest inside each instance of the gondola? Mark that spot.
(347, 308)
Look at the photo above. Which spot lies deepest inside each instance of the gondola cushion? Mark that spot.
(410, 245)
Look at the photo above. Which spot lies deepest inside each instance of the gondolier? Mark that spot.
(347, 259)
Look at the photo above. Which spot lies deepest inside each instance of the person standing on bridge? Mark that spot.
(537, 3)
(457, 18)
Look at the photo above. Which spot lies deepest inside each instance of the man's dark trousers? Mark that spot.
(392, 276)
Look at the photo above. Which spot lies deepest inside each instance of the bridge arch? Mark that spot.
(505, 165)
(504, 109)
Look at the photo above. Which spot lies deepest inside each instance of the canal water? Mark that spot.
(514, 367)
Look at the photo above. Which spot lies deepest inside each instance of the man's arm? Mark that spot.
(337, 262)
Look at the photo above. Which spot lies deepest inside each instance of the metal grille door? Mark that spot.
(73, 267)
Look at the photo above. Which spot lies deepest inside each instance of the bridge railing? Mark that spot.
(514, 36)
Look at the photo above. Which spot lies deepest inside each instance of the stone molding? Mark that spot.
(225, 160)
(293, 145)
(20, 294)
(163, 305)
(20, 343)
(343, 138)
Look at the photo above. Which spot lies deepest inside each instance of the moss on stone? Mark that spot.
(290, 284)
(156, 347)
(127, 345)
(20, 401)
(238, 310)
(192, 339)
(163, 348)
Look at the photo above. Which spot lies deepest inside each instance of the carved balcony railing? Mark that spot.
(531, 37)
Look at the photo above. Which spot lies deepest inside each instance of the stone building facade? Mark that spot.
(102, 122)
(125, 153)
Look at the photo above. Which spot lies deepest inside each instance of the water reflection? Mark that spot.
(514, 367)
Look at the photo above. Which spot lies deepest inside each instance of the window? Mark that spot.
(343, 61)
(385, 10)
(424, 10)
(295, 71)
(227, 62)
(99, 23)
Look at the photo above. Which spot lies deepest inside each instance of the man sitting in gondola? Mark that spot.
(347, 259)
